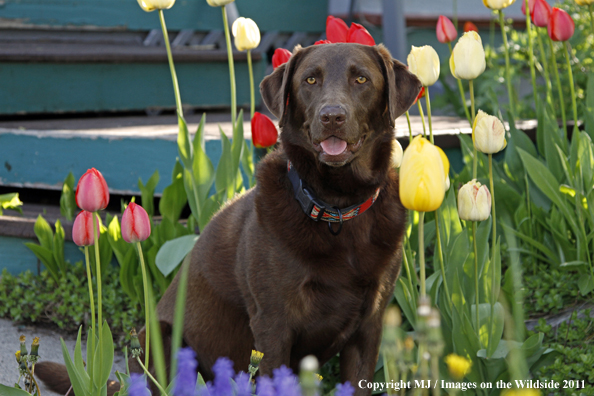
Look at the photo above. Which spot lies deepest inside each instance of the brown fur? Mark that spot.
(265, 276)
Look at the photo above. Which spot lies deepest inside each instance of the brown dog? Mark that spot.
(267, 273)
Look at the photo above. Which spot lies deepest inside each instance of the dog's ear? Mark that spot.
(402, 88)
(276, 87)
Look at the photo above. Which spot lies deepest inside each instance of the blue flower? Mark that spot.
(244, 385)
(185, 381)
(223, 372)
(285, 382)
(345, 389)
(137, 385)
(265, 387)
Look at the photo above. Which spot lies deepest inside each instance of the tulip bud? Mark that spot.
(488, 133)
(91, 191)
(561, 25)
(422, 176)
(218, 3)
(264, 133)
(246, 33)
(136, 226)
(396, 153)
(498, 4)
(474, 201)
(358, 34)
(540, 13)
(424, 63)
(336, 30)
(152, 5)
(445, 30)
(470, 27)
(584, 2)
(281, 56)
(468, 57)
(82, 229)
(34, 355)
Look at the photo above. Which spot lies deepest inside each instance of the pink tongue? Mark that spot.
(333, 145)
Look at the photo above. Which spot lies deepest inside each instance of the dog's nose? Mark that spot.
(332, 117)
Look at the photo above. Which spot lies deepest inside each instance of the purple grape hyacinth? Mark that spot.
(223, 372)
(185, 381)
(285, 382)
(345, 389)
(265, 387)
(244, 385)
(137, 385)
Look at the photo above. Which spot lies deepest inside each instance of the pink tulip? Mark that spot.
(358, 34)
(82, 229)
(91, 191)
(445, 30)
(530, 6)
(280, 57)
(136, 226)
(561, 25)
(336, 30)
(541, 13)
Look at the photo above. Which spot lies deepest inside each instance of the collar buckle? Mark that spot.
(309, 203)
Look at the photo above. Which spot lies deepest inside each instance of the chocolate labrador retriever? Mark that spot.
(305, 262)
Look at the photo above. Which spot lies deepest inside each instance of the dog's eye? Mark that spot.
(361, 80)
(311, 80)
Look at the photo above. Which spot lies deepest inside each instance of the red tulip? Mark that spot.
(420, 95)
(280, 57)
(445, 30)
(323, 42)
(136, 226)
(264, 133)
(91, 191)
(540, 13)
(82, 229)
(469, 26)
(561, 25)
(336, 30)
(358, 34)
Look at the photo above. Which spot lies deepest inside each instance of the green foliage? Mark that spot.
(10, 201)
(65, 303)
(50, 250)
(68, 206)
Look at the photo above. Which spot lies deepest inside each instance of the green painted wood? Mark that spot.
(53, 87)
(17, 258)
(283, 15)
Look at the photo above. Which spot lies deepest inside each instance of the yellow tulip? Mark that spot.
(424, 63)
(218, 3)
(422, 181)
(246, 33)
(498, 4)
(468, 57)
(474, 201)
(584, 2)
(396, 154)
(458, 366)
(152, 5)
(488, 133)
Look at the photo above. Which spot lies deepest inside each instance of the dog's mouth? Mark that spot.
(335, 151)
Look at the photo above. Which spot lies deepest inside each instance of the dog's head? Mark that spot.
(339, 99)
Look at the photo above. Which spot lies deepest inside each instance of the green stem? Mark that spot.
(545, 68)
(178, 103)
(475, 152)
(529, 210)
(559, 89)
(531, 54)
(476, 280)
(99, 295)
(231, 69)
(422, 117)
(440, 256)
(422, 252)
(92, 298)
(410, 137)
(428, 101)
(567, 53)
(461, 89)
(408, 271)
(492, 205)
(148, 374)
(435, 390)
(146, 305)
(252, 94)
(590, 6)
(507, 66)
(178, 317)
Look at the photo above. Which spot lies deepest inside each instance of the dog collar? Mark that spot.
(317, 209)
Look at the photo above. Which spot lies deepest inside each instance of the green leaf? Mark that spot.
(9, 391)
(204, 173)
(588, 114)
(44, 233)
(73, 374)
(46, 256)
(237, 142)
(247, 162)
(585, 284)
(148, 193)
(174, 197)
(79, 363)
(59, 248)
(10, 201)
(211, 206)
(67, 198)
(224, 180)
(173, 252)
(108, 352)
(183, 143)
(406, 300)
(544, 249)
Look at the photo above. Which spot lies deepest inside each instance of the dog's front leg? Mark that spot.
(359, 356)
(273, 338)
